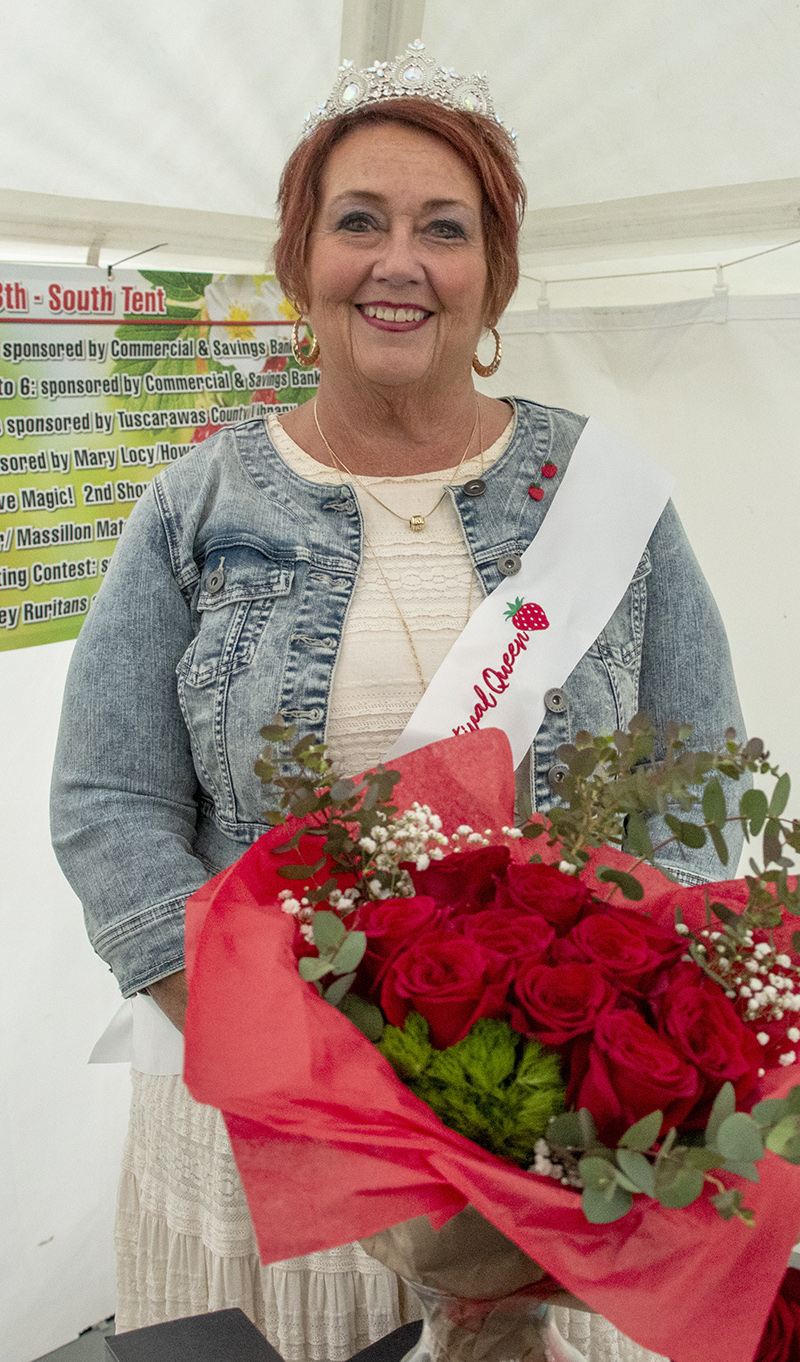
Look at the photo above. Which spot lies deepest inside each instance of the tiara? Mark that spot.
(413, 73)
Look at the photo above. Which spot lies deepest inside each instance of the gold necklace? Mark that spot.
(385, 579)
(414, 522)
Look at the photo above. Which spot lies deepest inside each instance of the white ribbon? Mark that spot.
(571, 580)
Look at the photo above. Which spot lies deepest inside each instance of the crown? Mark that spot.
(413, 73)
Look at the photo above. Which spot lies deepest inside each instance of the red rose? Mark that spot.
(556, 1003)
(631, 1072)
(559, 898)
(390, 925)
(704, 1028)
(450, 980)
(780, 1341)
(629, 949)
(466, 880)
(516, 936)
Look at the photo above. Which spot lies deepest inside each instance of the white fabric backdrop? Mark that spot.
(710, 390)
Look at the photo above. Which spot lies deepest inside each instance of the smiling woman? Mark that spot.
(322, 566)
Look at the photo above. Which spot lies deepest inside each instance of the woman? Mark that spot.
(321, 566)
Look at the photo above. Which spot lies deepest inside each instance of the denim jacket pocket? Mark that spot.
(223, 697)
(239, 586)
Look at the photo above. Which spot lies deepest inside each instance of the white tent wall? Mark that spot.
(708, 388)
(63, 1121)
(187, 108)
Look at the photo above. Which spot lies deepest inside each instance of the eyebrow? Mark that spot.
(430, 205)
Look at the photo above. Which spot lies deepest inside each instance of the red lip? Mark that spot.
(382, 325)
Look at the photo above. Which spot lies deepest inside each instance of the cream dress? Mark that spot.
(185, 1242)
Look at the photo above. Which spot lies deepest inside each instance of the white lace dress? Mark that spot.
(185, 1242)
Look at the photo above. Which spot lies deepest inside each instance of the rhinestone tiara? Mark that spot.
(413, 73)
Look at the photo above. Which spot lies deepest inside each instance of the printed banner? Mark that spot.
(533, 629)
(103, 382)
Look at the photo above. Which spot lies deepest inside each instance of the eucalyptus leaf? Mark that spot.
(738, 1138)
(725, 914)
(300, 872)
(350, 953)
(310, 968)
(598, 1175)
(637, 837)
(602, 1210)
(704, 1159)
(630, 886)
(276, 732)
(771, 843)
(714, 808)
(720, 845)
(588, 1127)
(644, 1133)
(743, 1168)
(637, 1169)
(784, 1138)
(329, 932)
(690, 835)
(338, 988)
(681, 1190)
(584, 763)
(769, 1112)
(566, 1130)
(367, 1017)
(724, 1105)
(780, 796)
(729, 1204)
(753, 806)
(666, 1144)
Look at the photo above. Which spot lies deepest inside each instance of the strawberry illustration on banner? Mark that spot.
(528, 617)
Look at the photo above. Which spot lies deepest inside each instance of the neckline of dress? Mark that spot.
(305, 463)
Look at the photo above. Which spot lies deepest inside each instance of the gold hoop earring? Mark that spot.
(306, 361)
(486, 370)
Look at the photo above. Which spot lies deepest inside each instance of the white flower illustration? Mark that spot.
(242, 298)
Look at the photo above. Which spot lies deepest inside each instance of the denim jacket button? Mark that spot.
(557, 775)
(555, 700)
(476, 487)
(215, 581)
(509, 564)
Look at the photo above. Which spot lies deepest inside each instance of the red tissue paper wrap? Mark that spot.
(332, 1147)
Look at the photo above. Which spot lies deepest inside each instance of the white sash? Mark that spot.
(575, 572)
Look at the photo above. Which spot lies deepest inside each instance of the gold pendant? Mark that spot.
(416, 522)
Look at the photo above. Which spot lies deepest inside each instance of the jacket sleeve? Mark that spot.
(123, 800)
(687, 675)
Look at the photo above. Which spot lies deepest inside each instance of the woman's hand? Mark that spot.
(172, 995)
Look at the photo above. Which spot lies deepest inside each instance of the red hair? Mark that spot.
(483, 145)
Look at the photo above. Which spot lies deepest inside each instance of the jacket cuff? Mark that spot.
(146, 946)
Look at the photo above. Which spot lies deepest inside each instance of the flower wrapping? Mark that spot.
(332, 1147)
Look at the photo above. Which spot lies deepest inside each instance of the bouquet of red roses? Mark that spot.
(547, 1026)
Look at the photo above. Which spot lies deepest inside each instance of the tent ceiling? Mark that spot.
(169, 120)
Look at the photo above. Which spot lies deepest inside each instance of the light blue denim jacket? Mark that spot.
(173, 675)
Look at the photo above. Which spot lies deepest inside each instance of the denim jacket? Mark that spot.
(225, 602)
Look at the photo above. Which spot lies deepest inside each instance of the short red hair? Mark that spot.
(482, 144)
